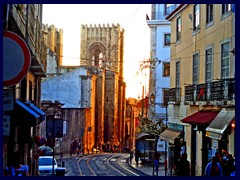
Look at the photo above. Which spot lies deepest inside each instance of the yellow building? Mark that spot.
(202, 79)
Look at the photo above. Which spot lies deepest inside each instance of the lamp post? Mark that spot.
(162, 105)
(152, 100)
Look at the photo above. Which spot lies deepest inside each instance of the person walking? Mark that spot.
(131, 156)
(230, 168)
(156, 157)
(213, 168)
(156, 160)
(183, 166)
(137, 155)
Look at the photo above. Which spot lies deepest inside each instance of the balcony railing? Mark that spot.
(211, 91)
(175, 95)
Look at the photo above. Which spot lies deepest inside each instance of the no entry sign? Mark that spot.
(16, 58)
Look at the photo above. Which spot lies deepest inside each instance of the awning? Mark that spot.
(139, 135)
(169, 135)
(27, 109)
(220, 123)
(25, 115)
(37, 110)
(201, 117)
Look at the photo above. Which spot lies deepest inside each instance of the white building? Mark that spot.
(159, 81)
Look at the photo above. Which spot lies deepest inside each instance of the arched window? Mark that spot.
(96, 57)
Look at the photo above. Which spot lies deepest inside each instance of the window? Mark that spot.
(169, 8)
(209, 13)
(209, 64)
(95, 57)
(178, 74)
(178, 28)
(195, 68)
(196, 13)
(166, 69)
(167, 39)
(226, 8)
(165, 96)
(225, 58)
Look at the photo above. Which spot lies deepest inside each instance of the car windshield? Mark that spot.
(46, 161)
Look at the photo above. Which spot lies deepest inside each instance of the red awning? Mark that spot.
(201, 117)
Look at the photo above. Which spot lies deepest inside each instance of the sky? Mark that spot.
(131, 17)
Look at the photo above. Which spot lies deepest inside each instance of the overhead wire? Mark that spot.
(150, 61)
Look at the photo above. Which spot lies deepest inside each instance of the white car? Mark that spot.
(45, 165)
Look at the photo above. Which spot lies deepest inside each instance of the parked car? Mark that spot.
(45, 151)
(45, 165)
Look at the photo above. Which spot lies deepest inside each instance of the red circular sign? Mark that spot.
(16, 58)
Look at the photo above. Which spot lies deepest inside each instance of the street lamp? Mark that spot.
(152, 100)
(162, 105)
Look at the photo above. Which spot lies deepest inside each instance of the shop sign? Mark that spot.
(7, 99)
(213, 135)
(215, 144)
(54, 128)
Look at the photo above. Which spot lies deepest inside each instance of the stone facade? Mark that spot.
(54, 40)
(76, 90)
(102, 47)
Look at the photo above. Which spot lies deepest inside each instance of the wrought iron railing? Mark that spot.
(175, 95)
(211, 91)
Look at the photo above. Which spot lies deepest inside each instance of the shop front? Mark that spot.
(200, 145)
(174, 135)
(145, 143)
(221, 132)
(23, 121)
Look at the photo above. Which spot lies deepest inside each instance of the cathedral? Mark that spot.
(102, 49)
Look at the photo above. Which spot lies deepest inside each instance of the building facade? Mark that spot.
(76, 90)
(159, 81)
(25, 20)
(102, 47)
(202, 80)
(106, 97)
(54, 42)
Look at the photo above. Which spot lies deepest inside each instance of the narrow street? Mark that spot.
(107, 164)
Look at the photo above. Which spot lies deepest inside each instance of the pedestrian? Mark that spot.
(183, 166)
(156, 160)
(137, 155)
(79, 147)
(213, 168)
(230, 168)
(219, 157)
(75, 145)
(17, 168)
(131, 156)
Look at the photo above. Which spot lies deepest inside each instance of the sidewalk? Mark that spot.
(148, 168)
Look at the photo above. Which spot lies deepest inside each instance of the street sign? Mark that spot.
(16, 58)
(54, 128)
(7, 99)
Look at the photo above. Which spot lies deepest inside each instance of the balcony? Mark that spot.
(221, 92)
(175, 95)
(32, 34)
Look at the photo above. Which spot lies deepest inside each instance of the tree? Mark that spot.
(153, 128)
